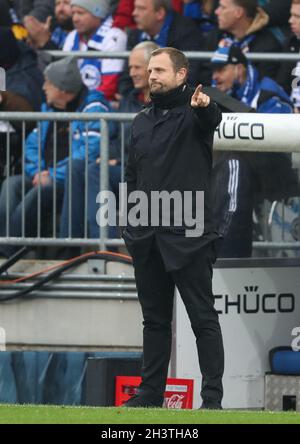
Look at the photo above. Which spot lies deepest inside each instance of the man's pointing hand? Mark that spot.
(199, 99)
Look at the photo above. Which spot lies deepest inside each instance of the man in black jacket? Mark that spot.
(171, 154)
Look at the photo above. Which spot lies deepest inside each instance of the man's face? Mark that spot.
(224, 76)
(56, 97)
(138, 69)
(63, 10)
(145, 15)
(228, 13)
(162, 75)
(295, 20)
(84, 22)
(52, 93)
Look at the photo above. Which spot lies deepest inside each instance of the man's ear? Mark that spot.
(160, 14)
(239, 12)
(182, 74)
(242, 72)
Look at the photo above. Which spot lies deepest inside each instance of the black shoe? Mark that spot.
(211, 406)
(144, 400)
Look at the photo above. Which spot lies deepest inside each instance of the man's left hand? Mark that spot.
(38, 32)
(199, 99)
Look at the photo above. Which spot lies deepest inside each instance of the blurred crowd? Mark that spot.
(37, 81)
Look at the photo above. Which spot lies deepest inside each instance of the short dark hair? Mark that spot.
(165, 4)
(177, 57)
(250, 6)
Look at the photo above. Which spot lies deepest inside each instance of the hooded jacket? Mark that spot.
(258, 38)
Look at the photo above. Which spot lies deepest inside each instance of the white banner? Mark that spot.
(259, 309)
(258, 132)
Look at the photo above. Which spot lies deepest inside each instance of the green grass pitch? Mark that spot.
(39, 414)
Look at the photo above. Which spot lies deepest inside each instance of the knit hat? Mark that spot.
(65, 75)
(98, 8)
(232, 55)
(9, 48)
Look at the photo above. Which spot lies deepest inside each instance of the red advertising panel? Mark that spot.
(178, 394)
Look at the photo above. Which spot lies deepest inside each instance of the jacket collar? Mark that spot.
(172, 99)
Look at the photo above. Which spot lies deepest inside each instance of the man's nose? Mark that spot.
(152, 76)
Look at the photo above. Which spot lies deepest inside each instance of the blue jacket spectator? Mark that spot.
(92, 102)
(64, 92)
(263, 94)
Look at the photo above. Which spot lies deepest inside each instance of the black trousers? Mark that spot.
(156, 293)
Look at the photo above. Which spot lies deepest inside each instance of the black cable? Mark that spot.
(56, 273)
(14, 258)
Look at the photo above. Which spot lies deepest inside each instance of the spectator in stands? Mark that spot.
(277, 11)
(157, 21)
(64, 92)
(289, 74)
(130, 103)
(123, 17)
(94, 31)
(202, 11)
(52, 33)
(237, 176)
(40, 9)
(24, 83)
(243, 22)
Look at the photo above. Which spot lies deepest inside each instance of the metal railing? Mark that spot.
(192, 55)
(272, 130)
(103, 118)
